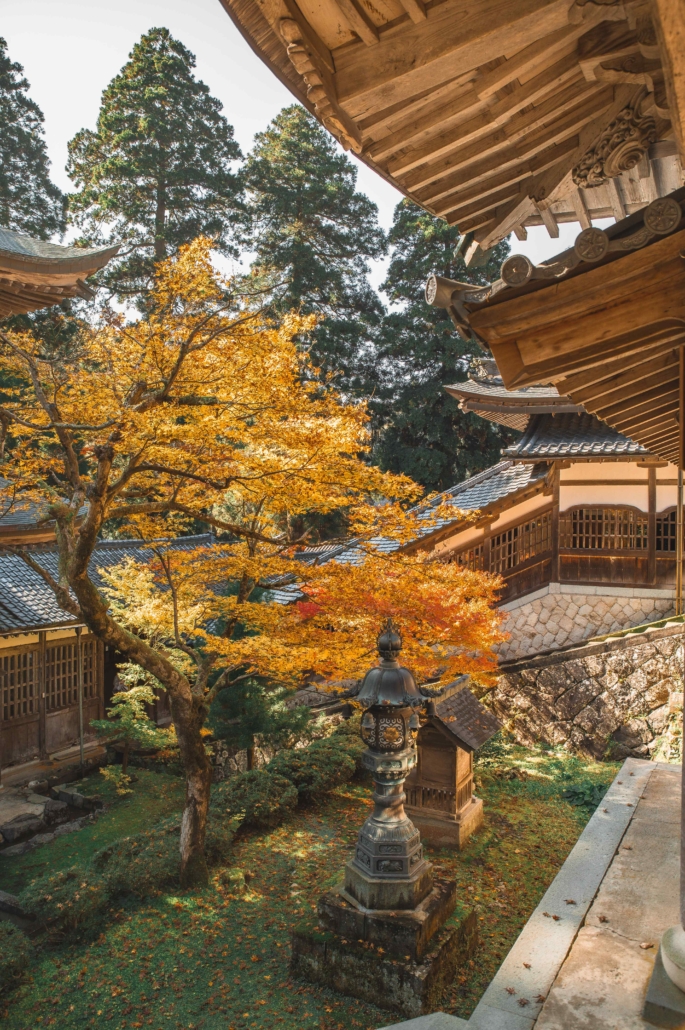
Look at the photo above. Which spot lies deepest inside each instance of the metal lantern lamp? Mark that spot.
(388, 870)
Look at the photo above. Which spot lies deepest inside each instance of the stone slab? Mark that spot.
(665, 1003)
(603, 982)
(401, 933)
(545, 941)
(409, 988)
(434, 1021)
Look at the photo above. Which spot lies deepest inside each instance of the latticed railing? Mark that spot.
(603, 529)
(431, 797)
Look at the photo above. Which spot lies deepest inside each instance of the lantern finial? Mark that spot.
(389, 642)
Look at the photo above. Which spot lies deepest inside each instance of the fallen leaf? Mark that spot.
(603, 919)
(540, 998)
(527, 965)
(570, 901)
(556, 918)
(546, 914)
(510, 990)
(523, 1001)
(646, 944)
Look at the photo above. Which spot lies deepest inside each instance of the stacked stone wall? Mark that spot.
(562, 614)
(615, 698)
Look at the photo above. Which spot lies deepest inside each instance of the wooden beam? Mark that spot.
(580, 208)
(310, 40)
(439, 115)
(562, 91)
(601, 381)
(669, 22)
(548, 220)
(359, 21)
(526, 135)
(617, 206)
(416, 9)
(521, 232)
(412, 57)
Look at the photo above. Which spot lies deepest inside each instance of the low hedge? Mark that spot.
(15, 955)
(263, 798)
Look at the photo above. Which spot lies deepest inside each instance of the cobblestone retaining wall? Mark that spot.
(619, 697)
(561, 614)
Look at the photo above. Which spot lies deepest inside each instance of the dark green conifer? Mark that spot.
(420, 429)
(29, 201)
(313, 234)
(158, 171)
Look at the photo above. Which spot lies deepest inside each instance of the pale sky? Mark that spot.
(71, 49)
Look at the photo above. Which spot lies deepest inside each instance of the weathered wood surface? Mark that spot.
(481, 109)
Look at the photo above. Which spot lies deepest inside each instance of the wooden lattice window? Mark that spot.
(519, 543)
(19, 685)
(61, 673)
(603, 529)
(472, 558)
(666, 532)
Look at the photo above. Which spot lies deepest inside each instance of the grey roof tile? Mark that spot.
(571, 435)
(26, 602)
(467, 719)
(39, 252)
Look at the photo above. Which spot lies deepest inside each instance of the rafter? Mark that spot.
(359, 21)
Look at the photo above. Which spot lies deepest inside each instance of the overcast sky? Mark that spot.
(71, 49)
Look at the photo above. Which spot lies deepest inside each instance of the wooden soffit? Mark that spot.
(494, 114)
(609, 337)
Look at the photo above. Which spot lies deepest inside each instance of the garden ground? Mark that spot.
(218, 958)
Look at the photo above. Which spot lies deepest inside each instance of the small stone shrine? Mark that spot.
(388, 933)
(440, 798)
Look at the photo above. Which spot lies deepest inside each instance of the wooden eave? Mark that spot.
(32, 281)
(477, 109)
(608, 336)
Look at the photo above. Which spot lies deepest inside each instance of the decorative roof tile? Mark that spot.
(571, 436)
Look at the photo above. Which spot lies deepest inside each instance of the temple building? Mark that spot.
(578, 520)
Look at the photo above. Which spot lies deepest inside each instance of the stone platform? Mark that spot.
(364, 971)
(616, 894)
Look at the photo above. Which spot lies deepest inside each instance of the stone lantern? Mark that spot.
(385, 934)
(388, 870)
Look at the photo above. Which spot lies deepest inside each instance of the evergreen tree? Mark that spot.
(249, 711)
(314, 233)
(420, 429)
(29, 201)
(157, 172)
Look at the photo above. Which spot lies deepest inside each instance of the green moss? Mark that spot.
(218, 958)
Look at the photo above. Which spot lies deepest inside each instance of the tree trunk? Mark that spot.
(124, 760)
(250, 756)
(188, 720)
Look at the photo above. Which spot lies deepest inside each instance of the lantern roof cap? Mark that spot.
(389, 683)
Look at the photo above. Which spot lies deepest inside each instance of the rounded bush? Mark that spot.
(15, 955)
(316, 769)
(263, 797)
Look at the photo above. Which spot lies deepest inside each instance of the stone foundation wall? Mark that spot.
(619, 698)
(563, 614)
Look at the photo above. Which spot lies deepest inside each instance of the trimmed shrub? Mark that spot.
(66, 899)
(15, 955)
(316, 769)
(349, 738)
(263, 798)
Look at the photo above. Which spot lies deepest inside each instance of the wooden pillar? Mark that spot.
(42, 728)
(79, 680)
(669, 23)
(679, 558)
(555, 570)
(487, 536)
(651, 526)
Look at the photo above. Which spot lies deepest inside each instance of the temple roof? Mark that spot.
(572, 436)
(35, 274)
(485, 394)
(28, 603)
(493, 115)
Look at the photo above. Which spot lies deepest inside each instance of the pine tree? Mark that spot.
(157, 172)
(29, 201)
(314, 233)
(419, 428)
(249, 712)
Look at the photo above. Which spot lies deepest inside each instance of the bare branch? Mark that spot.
(64, 598)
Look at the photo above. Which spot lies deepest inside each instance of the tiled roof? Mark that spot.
(26, 602)
(33, 253)
(493, 388)
(467, 719)
(15, 513)
(571, 436)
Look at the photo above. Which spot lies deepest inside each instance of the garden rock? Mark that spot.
(71, 795)
(21, 826)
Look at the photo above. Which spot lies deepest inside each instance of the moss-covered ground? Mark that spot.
(218, 958)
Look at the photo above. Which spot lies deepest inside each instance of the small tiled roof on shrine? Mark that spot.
(466, 718)
(35, 274)
(485, 394)
(549, 437)
(28, 603)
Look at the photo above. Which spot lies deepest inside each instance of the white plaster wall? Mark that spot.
(563, 614)
(590, 494)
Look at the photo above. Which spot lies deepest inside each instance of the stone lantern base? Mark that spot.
(402, 961)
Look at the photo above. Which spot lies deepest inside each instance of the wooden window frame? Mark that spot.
(610, 517)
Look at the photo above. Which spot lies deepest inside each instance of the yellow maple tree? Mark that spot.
(205, 411)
